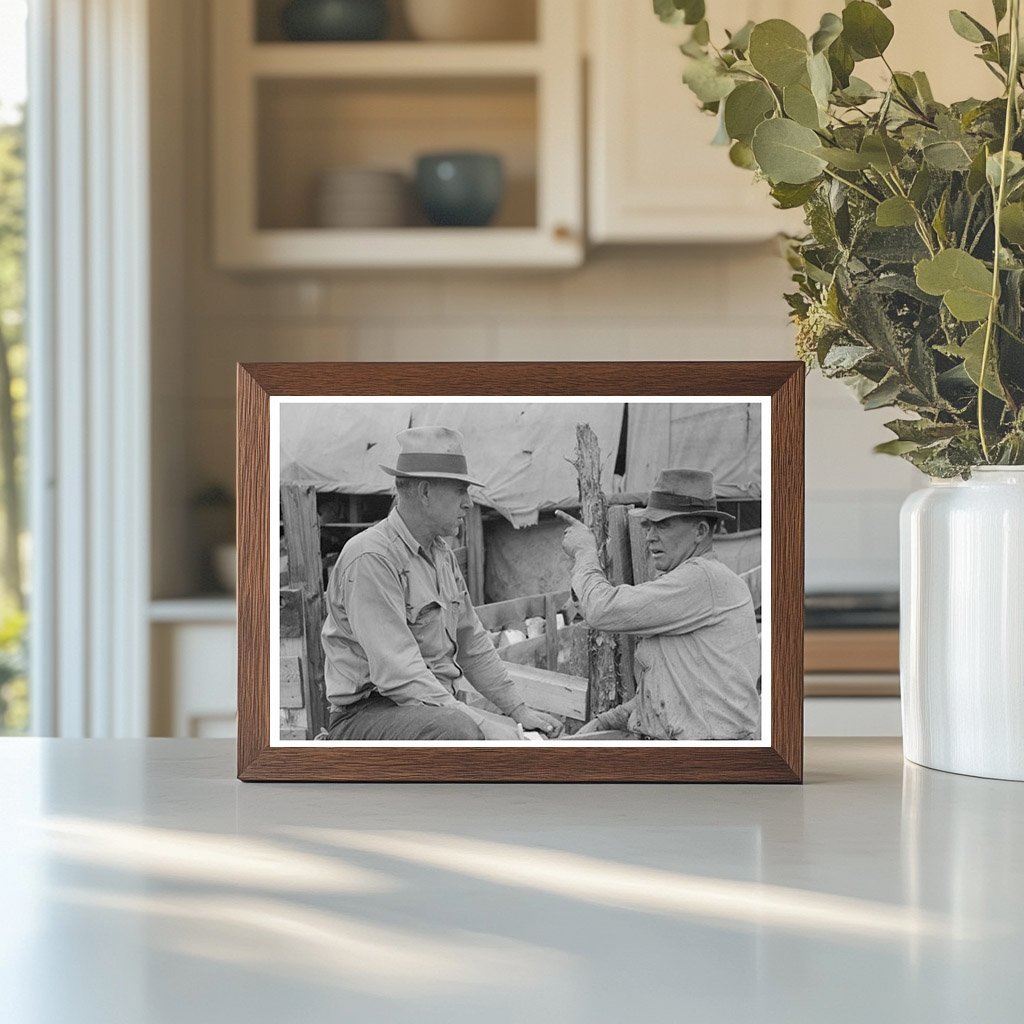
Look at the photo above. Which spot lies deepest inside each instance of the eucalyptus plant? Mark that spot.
(910, 278)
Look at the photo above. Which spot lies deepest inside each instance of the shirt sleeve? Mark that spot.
(374, 600)
(678, 602)
(480, 661)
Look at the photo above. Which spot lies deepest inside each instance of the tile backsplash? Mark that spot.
(716, 302)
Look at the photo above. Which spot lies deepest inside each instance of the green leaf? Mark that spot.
(939, 220)
(976, 174)
(701, 33)
(844, 159)
(841, 60)
(820, 76)
(745, 108)
(778, 50)
(800, 105)
(883, 153)
(921, 185)
(994, 167)
(789, 197)
(866, 29)
(946, 156)
(895, 447)
(999, 7)
(885, 394)
(963, 281)
(1011, 225)
(923, 431)
(829, 30)
(739, 41)
(707, 80)
(676, 12)
(924, 88)
(785, 152)
(971, 352)
(896, 212)
(742, 155)
(968, 28)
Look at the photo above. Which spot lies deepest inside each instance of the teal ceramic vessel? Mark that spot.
(334, 21)
(460, 189)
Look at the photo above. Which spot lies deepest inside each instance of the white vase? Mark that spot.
(962, 624)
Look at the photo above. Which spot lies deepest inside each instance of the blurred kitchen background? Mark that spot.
(221, 186)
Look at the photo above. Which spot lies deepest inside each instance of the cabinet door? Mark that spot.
(654, 175)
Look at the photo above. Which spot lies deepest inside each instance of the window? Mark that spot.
(14, 705)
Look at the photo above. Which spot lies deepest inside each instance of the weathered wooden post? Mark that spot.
(601, 692)
(302, 542)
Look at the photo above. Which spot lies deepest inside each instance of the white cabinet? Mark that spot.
(653, 175)
(192, 654)
(286, 113)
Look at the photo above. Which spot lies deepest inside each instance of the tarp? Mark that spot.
(517, 450)
(722, 437)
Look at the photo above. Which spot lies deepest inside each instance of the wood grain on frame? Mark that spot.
(782, 761)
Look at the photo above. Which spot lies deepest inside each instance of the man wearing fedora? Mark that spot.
(401, 634)
(698, 658)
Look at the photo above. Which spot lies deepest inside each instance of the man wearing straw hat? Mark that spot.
(401, 635)
(698, 657)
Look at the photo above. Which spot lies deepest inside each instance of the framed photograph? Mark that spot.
(514, 572)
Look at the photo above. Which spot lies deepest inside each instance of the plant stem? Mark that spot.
(993, 308)
(922, 225)
(855, 187)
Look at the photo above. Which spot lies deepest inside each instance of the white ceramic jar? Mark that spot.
(962, 624)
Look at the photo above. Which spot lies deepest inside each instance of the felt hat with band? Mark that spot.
(431, 453)
(682, 492)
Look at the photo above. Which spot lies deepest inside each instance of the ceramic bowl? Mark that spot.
(471, 20)
(461, 189)
(334, 20)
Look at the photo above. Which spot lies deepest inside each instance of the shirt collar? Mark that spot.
(398, 525)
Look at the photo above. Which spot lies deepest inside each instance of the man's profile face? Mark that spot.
(671, 541)
(446, 505)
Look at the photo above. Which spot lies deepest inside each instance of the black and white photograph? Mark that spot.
(458, 571)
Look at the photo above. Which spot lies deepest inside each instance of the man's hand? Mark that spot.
(577, 537)
(499, 727)
(537, 721)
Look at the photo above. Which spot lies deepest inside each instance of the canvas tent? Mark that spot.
(520, 450)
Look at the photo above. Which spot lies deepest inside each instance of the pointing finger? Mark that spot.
(566, 518)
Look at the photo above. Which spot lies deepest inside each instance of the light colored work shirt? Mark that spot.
(400, 621)
(699, 658)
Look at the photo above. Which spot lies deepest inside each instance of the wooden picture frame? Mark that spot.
(779, 758)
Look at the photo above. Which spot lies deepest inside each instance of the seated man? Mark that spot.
(699, 658)
(401, 633)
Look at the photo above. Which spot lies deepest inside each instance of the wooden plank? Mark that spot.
(291, 682)
(852, 650)
(643, 571)
(313, 679)
(550, 633)
(621, 573)
(475, 552)
(594, 512)
(291, 612)
(301, 535)
(302, 542)
(518, 609)
(553, 692)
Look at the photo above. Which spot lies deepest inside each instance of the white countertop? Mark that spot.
(143, 884)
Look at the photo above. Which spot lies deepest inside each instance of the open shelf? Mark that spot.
(393, 60)
(288, 113)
